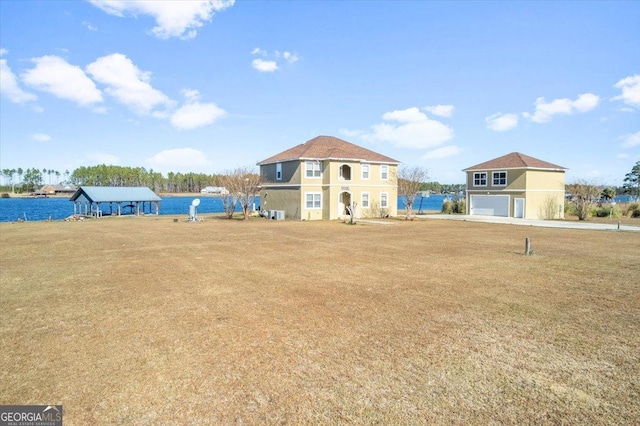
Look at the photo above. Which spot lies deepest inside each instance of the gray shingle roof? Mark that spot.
(103, 194)
(515, 160)
(330, 148)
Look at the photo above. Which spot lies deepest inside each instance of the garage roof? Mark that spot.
(515, 160)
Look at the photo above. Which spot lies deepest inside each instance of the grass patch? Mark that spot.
(147, 321)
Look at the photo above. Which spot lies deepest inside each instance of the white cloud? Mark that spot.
(41, 137)
(501, 122)
(3, 51)
(55, 75)
(442, 152)
(270, 61)
(101, 158)
(290, 57)
(441, 110)
(630, 87)
(629, 141)
(179, 158)
(9, 85)
(545, 111)
(173, 18)
(409, 128)
(622, 156)
(264, 66)
(127, 84)
(195, 114)
(88, 26)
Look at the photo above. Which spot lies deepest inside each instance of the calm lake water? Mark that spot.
(12, 209)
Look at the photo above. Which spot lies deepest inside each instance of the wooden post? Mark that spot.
(527, 247)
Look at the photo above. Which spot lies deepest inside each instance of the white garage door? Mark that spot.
(490, 205)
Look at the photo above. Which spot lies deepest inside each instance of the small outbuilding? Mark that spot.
(516, 185)
(98, 201)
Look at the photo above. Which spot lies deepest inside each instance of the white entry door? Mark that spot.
(518, 208)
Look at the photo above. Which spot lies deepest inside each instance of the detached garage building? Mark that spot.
(516, 185)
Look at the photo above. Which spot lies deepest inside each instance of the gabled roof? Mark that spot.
(515, 160)
(104, 194)
(328, 148)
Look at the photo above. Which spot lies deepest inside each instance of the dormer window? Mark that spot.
(279, 171)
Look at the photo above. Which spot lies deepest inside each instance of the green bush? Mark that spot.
(570, 209)
(608, 211)
(454, 206)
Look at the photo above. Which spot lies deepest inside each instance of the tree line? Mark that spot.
(29, 180)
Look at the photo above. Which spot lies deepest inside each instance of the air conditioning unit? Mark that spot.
(276, 214)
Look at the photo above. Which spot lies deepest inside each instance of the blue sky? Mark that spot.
(210, 86)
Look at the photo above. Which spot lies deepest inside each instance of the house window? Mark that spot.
(384, 172)
(365, 171)
(384, 200)
(279, 171)
(313, 200)
(364, 201)
(480, 179)
(499, 178)
(345, 172)
(314, 169)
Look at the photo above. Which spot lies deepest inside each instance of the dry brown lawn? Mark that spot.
(147, 321)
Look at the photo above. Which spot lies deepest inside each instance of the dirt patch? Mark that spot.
(147, 321)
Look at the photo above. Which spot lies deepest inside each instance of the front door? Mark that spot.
(344, 201)
(518, 208)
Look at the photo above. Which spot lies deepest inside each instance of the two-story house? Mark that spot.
(326, 178)
(516, 185)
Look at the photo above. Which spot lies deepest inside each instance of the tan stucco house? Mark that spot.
(323, 177)
(516, 185)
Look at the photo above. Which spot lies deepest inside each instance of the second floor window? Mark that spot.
(384, 172)
(314, 169)
(365, 171)
(279, 171)
(499, 178)
(480, 179)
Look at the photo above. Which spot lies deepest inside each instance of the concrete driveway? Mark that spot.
(533, 222)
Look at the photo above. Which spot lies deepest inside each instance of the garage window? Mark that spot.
(480, 179)
(499, 178)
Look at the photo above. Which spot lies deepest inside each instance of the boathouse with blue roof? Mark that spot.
(98, 201)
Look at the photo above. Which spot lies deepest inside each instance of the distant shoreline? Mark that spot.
(160, 194)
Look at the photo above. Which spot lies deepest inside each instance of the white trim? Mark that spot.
(348, 183)
(313, 200)
(362, 194)
(515, 190)
(382, 166)
(362, 171)
(515, 168)
(486, 179)
(312, 169)
(387, 206)
(508, 197)
(493, 178)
